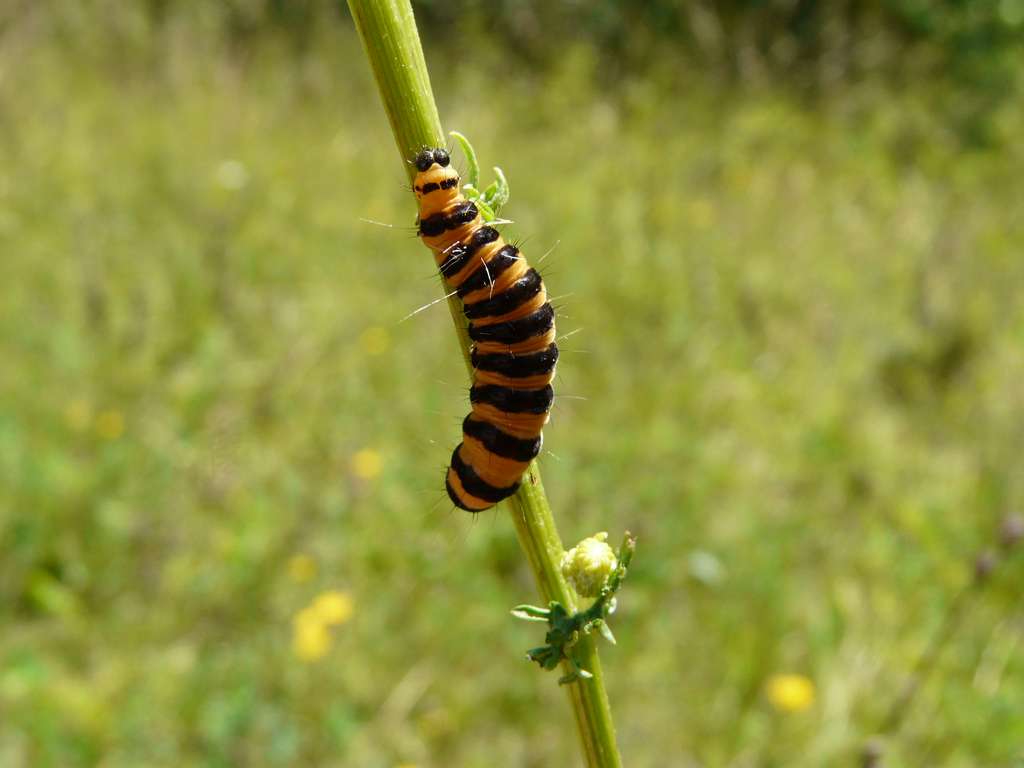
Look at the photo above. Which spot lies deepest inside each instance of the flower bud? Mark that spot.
(588, 565)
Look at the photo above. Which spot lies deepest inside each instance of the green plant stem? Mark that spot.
(388, 31)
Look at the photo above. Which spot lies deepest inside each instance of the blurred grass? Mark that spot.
(800, 349)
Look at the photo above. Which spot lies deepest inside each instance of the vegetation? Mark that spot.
(225, 536)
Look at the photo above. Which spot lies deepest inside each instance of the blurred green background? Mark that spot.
(789, 235)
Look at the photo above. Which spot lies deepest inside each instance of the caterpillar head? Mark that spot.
(437, 183)
(428, 157)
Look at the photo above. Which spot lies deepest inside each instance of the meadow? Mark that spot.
(794, 372)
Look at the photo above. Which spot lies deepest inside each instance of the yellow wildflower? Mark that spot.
(366, 463)
(78, 415)
(301, 568)
(110, 424)
(310, 639)
(333, 607)
(375, 340)
(790, 693)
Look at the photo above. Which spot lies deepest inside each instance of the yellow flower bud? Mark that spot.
(310, 639)
(588, 565)
(366, 464)
(790, 693)
(333, 607)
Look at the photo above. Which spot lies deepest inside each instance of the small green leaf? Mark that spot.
(528, 616)
(486, 211)
(473, 167)
(498, 191)
(531, 612)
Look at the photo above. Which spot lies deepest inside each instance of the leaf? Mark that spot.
(497, 191)
(525, 616)
(531, 613)
(473, 167)
(486, 211)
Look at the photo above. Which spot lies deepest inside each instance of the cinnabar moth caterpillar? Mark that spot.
(512, 326)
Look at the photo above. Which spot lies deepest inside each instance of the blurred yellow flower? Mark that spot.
(790, 693)
(301, 568)
(333, 607)
(375, 340)
(78, 415)
(310, 639)
(366, 463)
(110, 424)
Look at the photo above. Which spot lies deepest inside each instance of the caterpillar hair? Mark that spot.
(512, 326)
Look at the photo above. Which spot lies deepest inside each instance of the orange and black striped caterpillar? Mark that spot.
(512, 325)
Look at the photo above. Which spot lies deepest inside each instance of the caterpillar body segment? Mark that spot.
(512, 326)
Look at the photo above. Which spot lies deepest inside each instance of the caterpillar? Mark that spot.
(512, 326)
